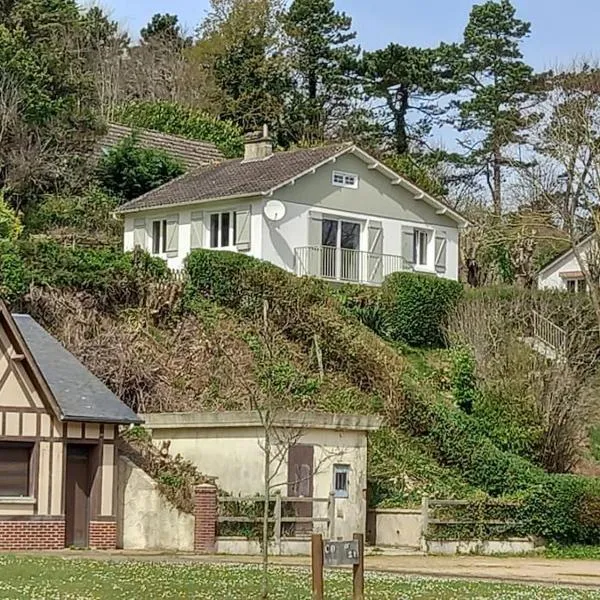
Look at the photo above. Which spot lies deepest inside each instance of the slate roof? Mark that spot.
(191, 153)
(80, 395)
(235, 178)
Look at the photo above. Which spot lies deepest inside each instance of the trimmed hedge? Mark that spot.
(418, 306)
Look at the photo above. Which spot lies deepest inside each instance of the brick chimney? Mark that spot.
(258, 145)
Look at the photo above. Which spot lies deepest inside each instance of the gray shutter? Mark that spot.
(408, 245)
(139, 234)
(196, 230)
(172, 236)
(441, 244)
(375, 255)
(242, 229)
(313, 258)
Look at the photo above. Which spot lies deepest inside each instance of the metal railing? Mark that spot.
(285, 525)
(344, 265)
(549, 333)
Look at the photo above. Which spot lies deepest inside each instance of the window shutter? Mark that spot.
(197, 230)
(172, 236)
(375, 255)
(314, 260)
(242, 229)
(408, 250)
(139, 233)
(441, 244)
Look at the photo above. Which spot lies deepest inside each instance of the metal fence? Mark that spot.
(549, 333)
(345, 265)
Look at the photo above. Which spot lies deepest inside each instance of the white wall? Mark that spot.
(146, 520)
(235, 457)
(280, 239)
(550, 277)
(185, 235)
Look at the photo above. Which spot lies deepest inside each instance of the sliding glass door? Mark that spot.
(340, 258)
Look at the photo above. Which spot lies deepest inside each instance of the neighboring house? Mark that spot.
(564, 272)
(58, 425)
(315, 455)
(190, 153)
(333, 212)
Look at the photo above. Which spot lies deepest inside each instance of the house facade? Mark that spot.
(333, 212)
(58, 425)
(314, 455)
(564, 272)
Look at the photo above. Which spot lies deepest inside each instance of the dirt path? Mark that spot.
(584, 573)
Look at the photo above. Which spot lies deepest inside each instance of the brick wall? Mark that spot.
(103, 535)
(32, 534)
(205, 515)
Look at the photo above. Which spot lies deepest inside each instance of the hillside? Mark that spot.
(239, 327)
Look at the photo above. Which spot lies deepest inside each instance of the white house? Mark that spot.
(333, 212)
(564, 272)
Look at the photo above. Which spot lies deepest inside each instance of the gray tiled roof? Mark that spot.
(235, 177)
(191, 153)
(80, 395)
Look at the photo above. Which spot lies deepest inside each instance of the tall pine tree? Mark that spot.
(321, 57)
(498, 83)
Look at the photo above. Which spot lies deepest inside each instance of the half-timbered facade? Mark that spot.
(58, 425)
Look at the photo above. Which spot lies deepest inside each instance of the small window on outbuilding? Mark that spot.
(347, 180)
(15, 462)
(341, 480)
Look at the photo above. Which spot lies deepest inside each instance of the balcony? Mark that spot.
(347, 266)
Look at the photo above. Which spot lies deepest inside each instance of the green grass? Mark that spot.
(74, 579)
(575, 552)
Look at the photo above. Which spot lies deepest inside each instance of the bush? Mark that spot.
(10, 225)
(128, 170)
(463, 381)
(364, 303)
(14, 274)
(173, 118)
(418, 307)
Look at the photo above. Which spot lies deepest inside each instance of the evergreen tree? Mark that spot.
(498, 82)
(164, 29)
(321, 56)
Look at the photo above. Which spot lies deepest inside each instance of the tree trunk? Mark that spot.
(265, 532)
(400, 108)
(497, 178)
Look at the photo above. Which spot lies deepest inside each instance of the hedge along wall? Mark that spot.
(561, 507)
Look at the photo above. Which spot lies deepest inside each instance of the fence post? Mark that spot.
(425, 521)
(358, 571)
(317, 566)
(331, 515)
(205, 518)
(277, 518)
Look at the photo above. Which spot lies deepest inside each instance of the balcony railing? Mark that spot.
(353, 266)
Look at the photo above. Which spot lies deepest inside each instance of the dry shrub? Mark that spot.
(557, 393)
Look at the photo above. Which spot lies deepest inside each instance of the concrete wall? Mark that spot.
(395, 527)
(146, 520)
(244, 547)
(486, 548)
(235, 457)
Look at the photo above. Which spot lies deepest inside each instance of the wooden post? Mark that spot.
(358, 571)
(424, 522)
(331, 515)
(317, 566)
(277, 519)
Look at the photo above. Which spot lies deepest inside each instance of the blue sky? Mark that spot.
(562, 30)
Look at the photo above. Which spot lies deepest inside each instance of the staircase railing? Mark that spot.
(549, 333)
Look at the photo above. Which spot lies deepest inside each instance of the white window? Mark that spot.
(348, 180)
(576, 285)
(341, 480)
(222, 230)
(159, 236)
(420, 245)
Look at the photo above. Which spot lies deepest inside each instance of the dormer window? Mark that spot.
(347, 180)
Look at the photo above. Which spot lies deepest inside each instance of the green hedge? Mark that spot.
(418, 306)
(14, 274)
(171, 117)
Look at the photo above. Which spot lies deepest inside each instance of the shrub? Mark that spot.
(14, 274)
(463, 382)
(128, 170)
(10, 225)
(364, 303)
(173, 118)
(418, 307)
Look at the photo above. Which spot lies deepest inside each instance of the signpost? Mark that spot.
(332, 553)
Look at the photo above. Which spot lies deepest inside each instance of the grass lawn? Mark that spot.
(70, 579)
